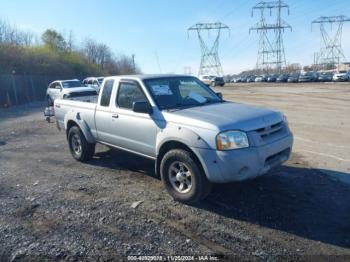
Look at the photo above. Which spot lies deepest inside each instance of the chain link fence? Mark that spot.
(22, 89)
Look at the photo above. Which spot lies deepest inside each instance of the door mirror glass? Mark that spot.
(142, 107)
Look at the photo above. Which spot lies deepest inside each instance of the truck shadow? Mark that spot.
(302, 201)
(120, 160)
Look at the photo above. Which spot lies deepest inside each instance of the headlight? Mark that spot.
(231, 140)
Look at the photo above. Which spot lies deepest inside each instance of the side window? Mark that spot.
(90, 82)
(53, 85)
(58, 86)
(106, 93)
(128, 93)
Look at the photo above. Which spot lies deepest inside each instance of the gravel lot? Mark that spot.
(54, 208)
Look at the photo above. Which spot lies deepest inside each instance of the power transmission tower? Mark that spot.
(210, 62)
(331, 52)
(271, 54)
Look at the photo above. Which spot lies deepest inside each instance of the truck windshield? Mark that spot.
(178, 92)
(71, 84)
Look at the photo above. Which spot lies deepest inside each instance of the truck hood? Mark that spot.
(225, 116)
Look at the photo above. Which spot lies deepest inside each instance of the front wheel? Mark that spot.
(80, 149)
(183, 178)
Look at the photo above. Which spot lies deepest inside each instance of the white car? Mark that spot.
(341, 76)
(67, 89)
(94, 82)
(207, 79)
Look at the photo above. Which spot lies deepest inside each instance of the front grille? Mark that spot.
(270, 130)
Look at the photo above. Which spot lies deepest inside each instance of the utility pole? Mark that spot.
(271, 54)
(133, 63)
(210, 63)
(331, 52)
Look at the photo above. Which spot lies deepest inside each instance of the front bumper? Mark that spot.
(244, 164)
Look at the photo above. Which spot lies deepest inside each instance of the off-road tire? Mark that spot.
(200, 186)
(87, 150)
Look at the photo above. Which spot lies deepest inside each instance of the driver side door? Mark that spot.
(133, 131)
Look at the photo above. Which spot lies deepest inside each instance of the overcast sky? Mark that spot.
(156, 30)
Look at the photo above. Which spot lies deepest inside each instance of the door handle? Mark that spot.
(115, 116)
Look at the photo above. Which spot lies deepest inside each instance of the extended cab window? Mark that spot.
(128, 94)
(106, 93)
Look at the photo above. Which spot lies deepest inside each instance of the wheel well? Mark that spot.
(167, 146)
(70, 124)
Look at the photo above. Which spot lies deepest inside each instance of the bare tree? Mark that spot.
(97, 53)
(12, 36)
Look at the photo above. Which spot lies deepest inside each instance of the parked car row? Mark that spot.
(341, 76)
(74, 88)
(211, 80)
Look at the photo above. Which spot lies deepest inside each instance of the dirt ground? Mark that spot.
(54, 208)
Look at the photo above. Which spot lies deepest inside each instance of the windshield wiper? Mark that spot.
(181, 106)
(211, 102)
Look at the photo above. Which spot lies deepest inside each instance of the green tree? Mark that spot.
(54, 40)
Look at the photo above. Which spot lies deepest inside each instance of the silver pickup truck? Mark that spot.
(194, 136)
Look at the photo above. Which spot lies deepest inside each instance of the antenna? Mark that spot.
(157, 59)
(210, 62)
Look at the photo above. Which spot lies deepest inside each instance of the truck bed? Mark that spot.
(84, 106)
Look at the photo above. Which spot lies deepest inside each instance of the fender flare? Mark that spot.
(76, 118)
(180, 134)
(184, 136)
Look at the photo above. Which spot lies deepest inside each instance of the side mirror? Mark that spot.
(219, 94)
(142, 107)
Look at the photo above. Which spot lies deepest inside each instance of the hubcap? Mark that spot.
(180, 177)
(76, 144)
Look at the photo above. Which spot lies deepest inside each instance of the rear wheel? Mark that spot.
(80, 149)
(183, 178)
